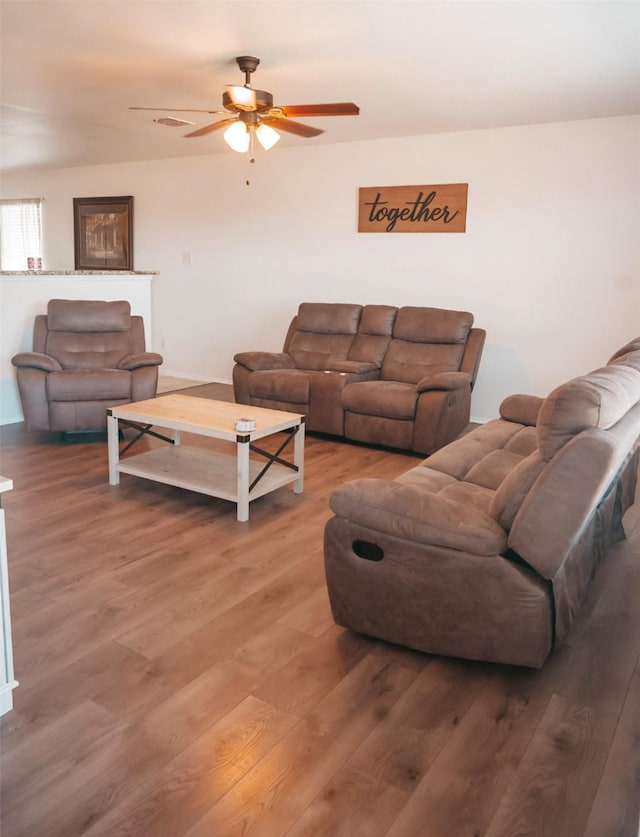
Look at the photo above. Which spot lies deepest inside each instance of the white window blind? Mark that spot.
(20, 232)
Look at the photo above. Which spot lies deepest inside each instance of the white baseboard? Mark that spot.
(189, 376)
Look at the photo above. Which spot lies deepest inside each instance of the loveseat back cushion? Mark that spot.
(432, 325)
(324, 331)
(374, 333)
(598, 400)
(425, 340)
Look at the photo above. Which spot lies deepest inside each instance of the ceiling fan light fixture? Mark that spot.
(237, 137)
(267, 137)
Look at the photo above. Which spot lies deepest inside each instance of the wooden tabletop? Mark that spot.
(203, 413)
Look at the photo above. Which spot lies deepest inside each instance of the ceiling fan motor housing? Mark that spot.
(264, 101)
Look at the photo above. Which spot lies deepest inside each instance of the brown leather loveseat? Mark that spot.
(87, 355)
(400, 377)
(486, 549)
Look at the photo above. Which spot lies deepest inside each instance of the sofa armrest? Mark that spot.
(354, 367)
(36, 360)
(265, 360)
(522, 409)
(444, 380)
(407, 512)
(140, 359)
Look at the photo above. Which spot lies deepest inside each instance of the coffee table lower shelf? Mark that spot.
(206, 472)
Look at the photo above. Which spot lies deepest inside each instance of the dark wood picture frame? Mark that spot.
(103, 233)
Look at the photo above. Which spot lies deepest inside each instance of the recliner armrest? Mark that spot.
(522, 409)
(140, 359)
(36, 360)
(404, 511)
(254, 361)
(444, 380)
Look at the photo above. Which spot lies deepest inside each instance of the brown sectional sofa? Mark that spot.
(486, 549)
(400, 377)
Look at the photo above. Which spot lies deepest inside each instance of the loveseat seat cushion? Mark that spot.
(390, 399)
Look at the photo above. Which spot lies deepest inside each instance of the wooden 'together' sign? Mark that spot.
(440, 208)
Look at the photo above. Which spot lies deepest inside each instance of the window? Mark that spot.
(20, 233)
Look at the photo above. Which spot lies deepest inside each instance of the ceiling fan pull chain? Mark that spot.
(252, 133)
(250, 155)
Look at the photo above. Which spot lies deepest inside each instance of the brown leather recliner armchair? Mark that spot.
(87, 356)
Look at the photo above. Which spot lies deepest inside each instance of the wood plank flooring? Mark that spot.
(181, 676)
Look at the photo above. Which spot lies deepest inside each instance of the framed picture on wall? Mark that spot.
(103, 233)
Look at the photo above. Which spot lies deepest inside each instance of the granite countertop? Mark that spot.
(79, 272)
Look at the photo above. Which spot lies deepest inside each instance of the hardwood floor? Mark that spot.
(181, 676)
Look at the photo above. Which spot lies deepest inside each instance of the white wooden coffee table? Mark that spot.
(235, 476)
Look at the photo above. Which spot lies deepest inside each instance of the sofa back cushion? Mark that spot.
(89, 334)
(425, 340)
(630, 358)
(599, 400)
(323, 331)
(508, 498)
(631, 346)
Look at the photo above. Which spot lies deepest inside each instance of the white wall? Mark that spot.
(549, 265)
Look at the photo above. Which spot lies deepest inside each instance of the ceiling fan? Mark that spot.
(251, 112)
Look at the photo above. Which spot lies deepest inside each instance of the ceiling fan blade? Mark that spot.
(215, 126)
(281, 123)
(182, 110)
(332, 109)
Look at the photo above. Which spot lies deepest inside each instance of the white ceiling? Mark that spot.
(71, 69)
